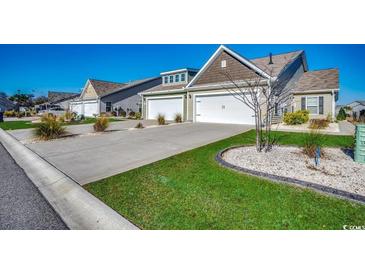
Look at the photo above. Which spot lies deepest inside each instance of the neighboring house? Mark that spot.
(168, 98)
(5, 104)
(57, 99)
(206, 96)
(61, 99)
(104, 96)
(357, 108)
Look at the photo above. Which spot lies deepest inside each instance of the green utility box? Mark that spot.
(360, 144)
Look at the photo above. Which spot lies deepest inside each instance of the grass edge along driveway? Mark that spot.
(192, 191)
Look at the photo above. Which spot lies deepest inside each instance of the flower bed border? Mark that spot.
(281, 179)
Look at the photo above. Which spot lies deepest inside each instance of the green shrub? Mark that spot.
(122, 113)
(9, 113)
(139, 125)
(101, 124)
(296, 118)
(318, 123)
(311, 141)
(138, 116)
(341, 115)
(49, 128)
(161, 119)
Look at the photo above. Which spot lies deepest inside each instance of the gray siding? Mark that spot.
(128, 99)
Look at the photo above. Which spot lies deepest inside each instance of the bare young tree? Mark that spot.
(261, 95)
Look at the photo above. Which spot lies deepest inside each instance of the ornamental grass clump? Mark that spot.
(101, 124)
(178, 118)
(318, 123)
(312, 141)
(49, 128)
(139, 125)
(161, 119)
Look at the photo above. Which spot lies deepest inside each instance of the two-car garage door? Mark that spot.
(165, 106)
(88, 108)
(222, 108)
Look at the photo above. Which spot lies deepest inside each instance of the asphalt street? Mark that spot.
(22, 206)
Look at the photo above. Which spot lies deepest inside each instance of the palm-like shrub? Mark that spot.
(101, 124)
(178, 118)
(161, 119)
(49, 128)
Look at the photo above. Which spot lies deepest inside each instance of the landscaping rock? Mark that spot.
(337, 168)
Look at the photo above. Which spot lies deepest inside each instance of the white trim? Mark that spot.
(314, 91)
(162, 91)
(333, 105)
(166, 97)
(178, 70)
(235, 55)
(222, 85)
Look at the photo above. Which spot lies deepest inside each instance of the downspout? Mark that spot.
(333, 105)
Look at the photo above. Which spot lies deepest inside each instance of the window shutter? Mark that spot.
(320, 104)
(303, 103)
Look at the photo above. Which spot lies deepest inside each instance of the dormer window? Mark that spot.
(183, 77)
(177, 78)
(171, 78)
(166, 79)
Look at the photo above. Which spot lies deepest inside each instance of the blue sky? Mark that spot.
(66, 67)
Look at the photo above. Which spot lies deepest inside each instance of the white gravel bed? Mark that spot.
(336, 169)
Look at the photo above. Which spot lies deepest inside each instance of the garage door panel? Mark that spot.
(90, 109)
(222, 108)
(166, 106)
(76, 108)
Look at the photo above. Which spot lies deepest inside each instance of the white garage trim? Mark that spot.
(166, 97)
(194, 95)
(82, 106)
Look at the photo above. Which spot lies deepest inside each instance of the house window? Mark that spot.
(177, 78)
(108, 107)
(166, 79)
(224, 63)
(313, 105)
(183, 77)
(171, 78)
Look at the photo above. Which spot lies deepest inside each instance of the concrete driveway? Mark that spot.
(90, 158)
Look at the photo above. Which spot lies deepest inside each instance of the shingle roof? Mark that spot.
(318, 80)
(102, 87)
(56, 96)
(161, 87)
(279, 62)
(129, 85)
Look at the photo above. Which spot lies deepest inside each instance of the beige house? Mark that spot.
(204, 95)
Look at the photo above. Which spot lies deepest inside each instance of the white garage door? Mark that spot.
(90, 109)
(222, 108)
(76, 108)
(166, 106)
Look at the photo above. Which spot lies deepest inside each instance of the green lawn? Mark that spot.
(191, 191)
(11, 125)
